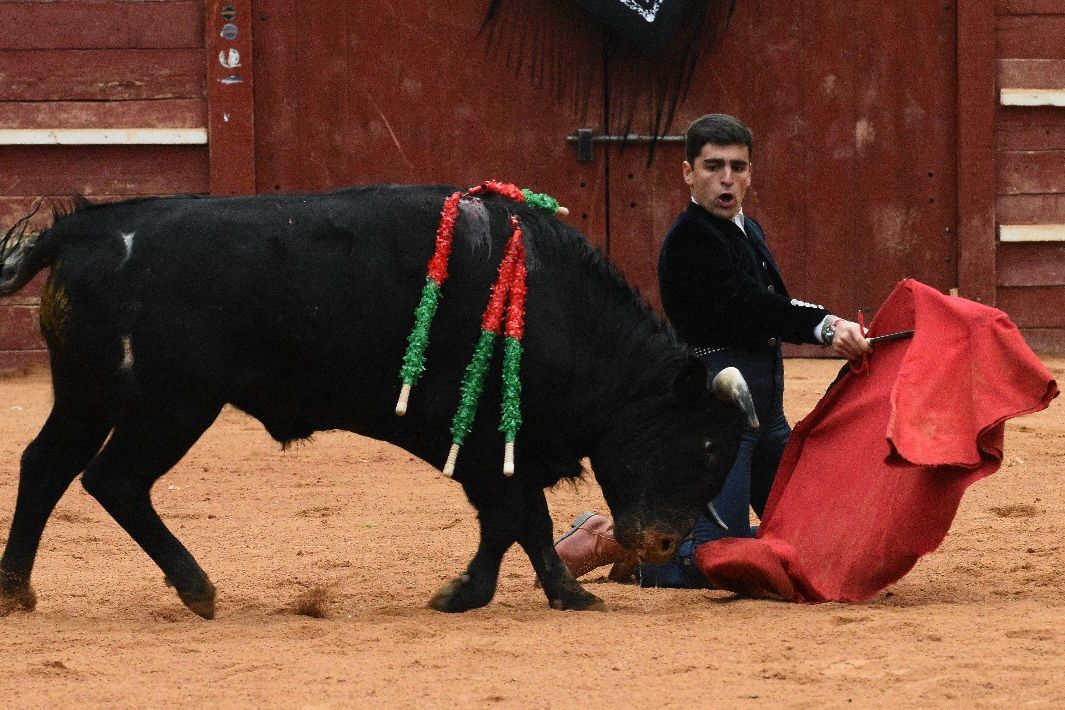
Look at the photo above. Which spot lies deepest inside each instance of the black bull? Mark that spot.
(296, 309)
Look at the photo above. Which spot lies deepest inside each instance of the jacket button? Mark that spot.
(771, 289)
(772, 342)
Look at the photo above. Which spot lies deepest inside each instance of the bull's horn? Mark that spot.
(714, 517)
(729, 386)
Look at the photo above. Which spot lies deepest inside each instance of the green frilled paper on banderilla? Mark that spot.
(508, 293)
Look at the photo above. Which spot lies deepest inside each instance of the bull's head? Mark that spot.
(668, 456)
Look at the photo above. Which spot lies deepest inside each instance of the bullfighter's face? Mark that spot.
(719, 178)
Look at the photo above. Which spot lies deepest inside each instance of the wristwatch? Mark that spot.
(828, 331)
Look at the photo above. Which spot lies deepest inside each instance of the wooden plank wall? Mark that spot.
(1030, 168)
(94, 64)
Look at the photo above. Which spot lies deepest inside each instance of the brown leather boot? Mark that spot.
(590, 544)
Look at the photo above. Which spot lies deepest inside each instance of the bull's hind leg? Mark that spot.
(144, 446)
(70, 437)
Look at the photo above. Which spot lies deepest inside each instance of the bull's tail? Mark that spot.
(16, 269)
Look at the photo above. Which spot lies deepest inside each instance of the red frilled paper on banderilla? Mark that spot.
(872, 477)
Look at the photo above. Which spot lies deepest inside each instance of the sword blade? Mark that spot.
(891, 336)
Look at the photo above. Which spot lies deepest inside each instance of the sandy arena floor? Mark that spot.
(368, 533)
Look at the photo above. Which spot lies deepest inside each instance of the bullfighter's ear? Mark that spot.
(689, 384)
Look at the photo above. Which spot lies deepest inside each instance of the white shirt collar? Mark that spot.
(738, 219)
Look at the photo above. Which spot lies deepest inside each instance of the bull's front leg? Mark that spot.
(510, 512)
(562, 590)
(477, 585)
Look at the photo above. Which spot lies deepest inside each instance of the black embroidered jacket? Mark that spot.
(720, 287)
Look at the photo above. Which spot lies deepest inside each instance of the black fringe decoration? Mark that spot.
(560, 47)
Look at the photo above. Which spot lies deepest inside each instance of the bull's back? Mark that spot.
(294, 308)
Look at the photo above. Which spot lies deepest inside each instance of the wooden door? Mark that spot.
(854, 171)
(104, 99)
(377, 91)
(853, 111)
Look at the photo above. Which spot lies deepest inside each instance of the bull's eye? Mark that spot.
(709, 453)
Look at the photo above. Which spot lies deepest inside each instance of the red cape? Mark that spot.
(872, 477)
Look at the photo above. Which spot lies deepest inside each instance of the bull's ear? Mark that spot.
(689, 384)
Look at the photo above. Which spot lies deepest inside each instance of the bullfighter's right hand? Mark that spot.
(849, 341)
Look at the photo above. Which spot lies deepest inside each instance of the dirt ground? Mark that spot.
(366, 533)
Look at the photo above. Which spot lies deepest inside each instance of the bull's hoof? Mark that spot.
(17, 597)
(199, 602)
(577, 599)
(201, 605)
(460, 594)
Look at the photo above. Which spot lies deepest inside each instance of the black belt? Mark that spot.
(700, 352)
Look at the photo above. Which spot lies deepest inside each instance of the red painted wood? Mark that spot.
(17, 362)
(645, 200)
(1030, 128)
(13, 209)
(166, 113)
(98, 25)
(19, 329)
(976, 102)
(854, 193)
(1031, 73)
(1030, 36)
(230, 96)
(366, 113)
(1025, 172)
(278, 82)
(1029, 7)
(1035, 264)
(107, 170)
(1034, 307)
(1045, 341)
(412, 97)
(101, 75)
(1031, 209)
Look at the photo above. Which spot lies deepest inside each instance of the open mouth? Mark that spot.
(726, 198)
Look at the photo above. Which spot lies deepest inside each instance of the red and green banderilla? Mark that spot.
(509, 291)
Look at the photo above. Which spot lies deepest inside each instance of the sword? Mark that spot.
(902, 334)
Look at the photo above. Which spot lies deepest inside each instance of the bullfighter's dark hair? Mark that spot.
(718, 129)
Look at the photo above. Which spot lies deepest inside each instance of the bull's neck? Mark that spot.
(626, 364)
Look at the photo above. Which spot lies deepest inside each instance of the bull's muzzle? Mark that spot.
(658, 546)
